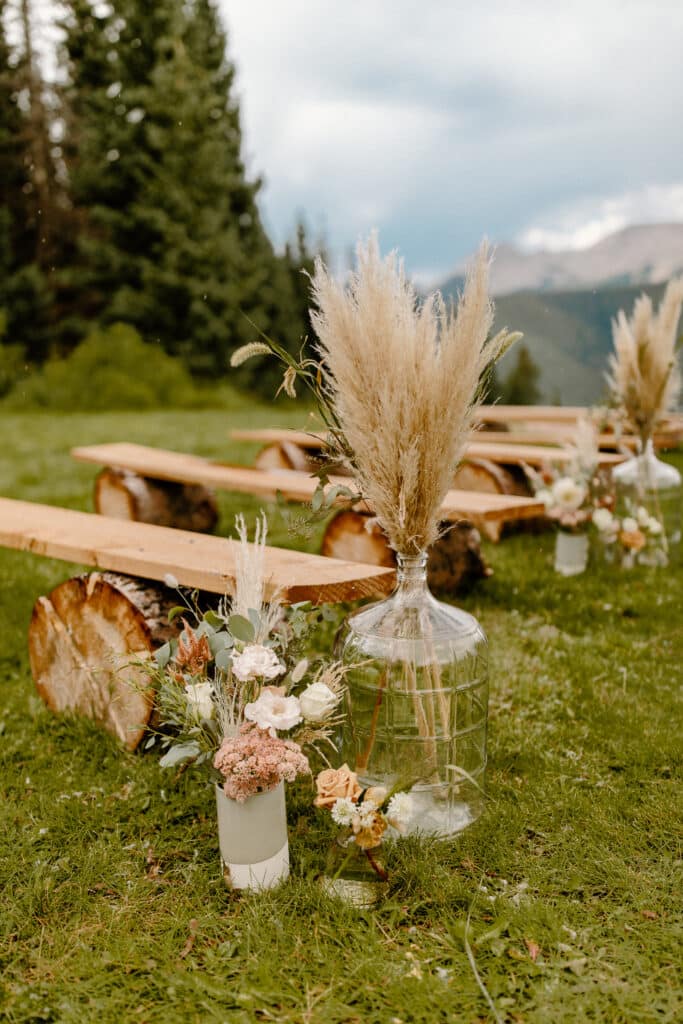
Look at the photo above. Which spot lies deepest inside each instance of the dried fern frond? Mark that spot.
(643, 374)
(401, 380)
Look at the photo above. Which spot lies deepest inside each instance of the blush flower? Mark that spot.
(256, 662)
(256, 762)
(333, 783)
(272, 710)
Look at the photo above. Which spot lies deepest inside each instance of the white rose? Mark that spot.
(273, 710)
(198, 696)
(654, 526)
(317, 702)
(603, 519)
(568, 494)
(256, 662)
(629, 525)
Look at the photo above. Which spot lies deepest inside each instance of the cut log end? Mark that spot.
(454, 564)
(88, 641)
(122, 494)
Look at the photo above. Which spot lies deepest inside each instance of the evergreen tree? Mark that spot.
(173, 242)
(28, 201)
(521, 384)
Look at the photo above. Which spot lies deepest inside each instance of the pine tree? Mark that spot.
(521, 384)
(28, 203)
(173, 242)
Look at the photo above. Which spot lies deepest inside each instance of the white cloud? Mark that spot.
(590, 220)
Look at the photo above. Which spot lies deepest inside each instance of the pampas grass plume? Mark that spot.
(643, 374)
(402, 378)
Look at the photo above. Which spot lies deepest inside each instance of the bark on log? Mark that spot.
(86, 641)
(454, 563)
(491, 478)
(125, 495)
(286, 455)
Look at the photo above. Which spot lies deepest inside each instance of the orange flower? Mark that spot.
(634, 540)
(194, 652)
(369, 835)
(334, 783)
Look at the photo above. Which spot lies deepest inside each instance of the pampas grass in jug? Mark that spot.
(644, 380)
(396, 381)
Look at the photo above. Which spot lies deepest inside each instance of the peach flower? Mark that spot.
(333, 783)
(634, 540)
(369, 831)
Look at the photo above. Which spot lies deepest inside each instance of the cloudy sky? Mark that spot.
(443, 120)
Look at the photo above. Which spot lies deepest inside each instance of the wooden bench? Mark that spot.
(499, 451)
(668, 433)
(487, 511)
(90, 637)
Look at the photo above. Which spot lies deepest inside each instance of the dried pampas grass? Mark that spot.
(250, 578)
(402, 379)
(643, 375)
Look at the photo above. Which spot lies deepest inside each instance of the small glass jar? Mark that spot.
(646, 481)
(417, 701)
(355, 875)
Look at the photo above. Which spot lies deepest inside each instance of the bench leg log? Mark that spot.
(86, 640)
(454, 563)
(490, 478)
(125, 495)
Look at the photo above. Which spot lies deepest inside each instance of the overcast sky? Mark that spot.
(550, 124)
(541, 122)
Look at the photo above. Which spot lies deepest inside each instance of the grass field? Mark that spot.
(566, 894)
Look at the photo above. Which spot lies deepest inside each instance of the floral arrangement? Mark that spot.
(233, 682)
(365, 814)
(572, 493)
(637, 537)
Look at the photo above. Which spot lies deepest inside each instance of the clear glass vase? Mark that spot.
(354, 875)
(644, 480)
(417, 701)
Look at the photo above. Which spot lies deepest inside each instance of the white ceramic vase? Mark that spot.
(253, 839)
(571, 553)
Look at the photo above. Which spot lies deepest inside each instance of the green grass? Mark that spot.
(111, 905)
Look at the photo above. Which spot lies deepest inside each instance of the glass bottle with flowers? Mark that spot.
(644, 380)
(570, 493)
(396, 381)
(355, 870)
(234, 699)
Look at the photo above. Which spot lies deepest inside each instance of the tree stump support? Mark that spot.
(122, 494)
(454, 562)
(88, 641)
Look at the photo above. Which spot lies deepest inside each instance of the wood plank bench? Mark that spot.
(90, 637)
(499, 451)
(487, 511)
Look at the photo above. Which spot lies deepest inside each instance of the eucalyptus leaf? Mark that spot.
(222, 660)
(241, 628)
(214, 620)
(220, 642)
(179, 609)
(255, 619)
(162, 655)
(179, 754)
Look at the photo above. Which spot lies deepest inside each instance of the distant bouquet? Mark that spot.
(234, 695)
(572, 492)
(635, 538)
